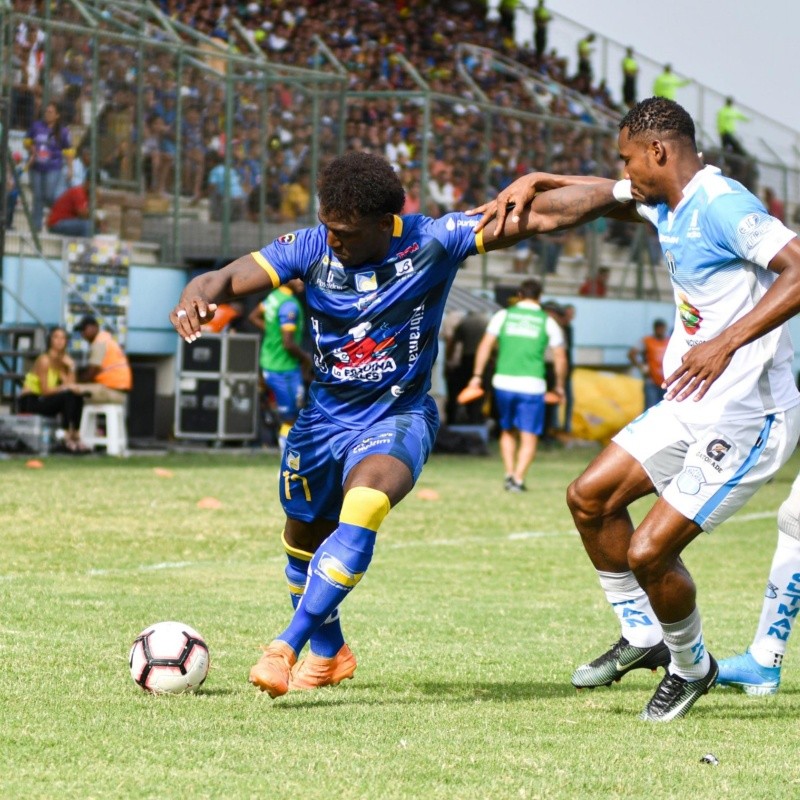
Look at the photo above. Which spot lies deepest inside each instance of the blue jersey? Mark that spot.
(375, 326)
(717, 244)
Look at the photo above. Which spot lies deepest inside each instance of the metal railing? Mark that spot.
(193, 141)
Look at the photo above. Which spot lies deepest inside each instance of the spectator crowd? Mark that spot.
(182, 112)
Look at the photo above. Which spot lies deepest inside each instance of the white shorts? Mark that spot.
(707, 472)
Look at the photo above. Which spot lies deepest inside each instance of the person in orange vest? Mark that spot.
(107, 377)
(649, 359)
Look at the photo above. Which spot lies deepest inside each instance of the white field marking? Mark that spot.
(513, 537)
(754, 516)
(476, 539)
(145, 567)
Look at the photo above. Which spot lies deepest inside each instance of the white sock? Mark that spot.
(685, 641)
(781, 603)
(640, 626)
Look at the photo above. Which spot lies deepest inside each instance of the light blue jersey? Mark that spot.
(717, 244)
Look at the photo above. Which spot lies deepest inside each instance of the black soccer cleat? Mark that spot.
(675, 695)
(618, 661)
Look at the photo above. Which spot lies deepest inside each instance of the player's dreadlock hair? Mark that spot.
(360, 185)
(659, 115)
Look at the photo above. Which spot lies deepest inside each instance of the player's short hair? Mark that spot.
(358, 185)
(530, 289)
(661, 116)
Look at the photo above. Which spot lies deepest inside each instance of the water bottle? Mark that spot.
(47, 438)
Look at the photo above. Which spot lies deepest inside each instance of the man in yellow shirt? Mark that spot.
(668, 83)
(727, 117)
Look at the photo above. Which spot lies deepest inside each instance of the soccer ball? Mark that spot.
(169, 658)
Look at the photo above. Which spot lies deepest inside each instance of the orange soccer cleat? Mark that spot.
(315, 671)
(271, 673)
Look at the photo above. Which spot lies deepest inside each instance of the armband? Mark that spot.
(622, 191)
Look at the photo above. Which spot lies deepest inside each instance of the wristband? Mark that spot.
(622, 191)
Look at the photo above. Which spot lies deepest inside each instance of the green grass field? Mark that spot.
(474, 612)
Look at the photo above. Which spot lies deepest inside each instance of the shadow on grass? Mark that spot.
(438, 691)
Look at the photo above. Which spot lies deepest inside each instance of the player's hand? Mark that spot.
(517, 195)
(700, 367)
(190, 314)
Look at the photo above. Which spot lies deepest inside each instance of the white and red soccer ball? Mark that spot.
(169, 658)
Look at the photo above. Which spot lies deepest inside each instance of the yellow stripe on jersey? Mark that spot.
(294, 551)
(364, 507)
(479, 242)
(398, 226)
(289, 326)
(267, 267)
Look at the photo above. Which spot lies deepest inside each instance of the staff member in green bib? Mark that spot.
(280, 315)
(521, 334)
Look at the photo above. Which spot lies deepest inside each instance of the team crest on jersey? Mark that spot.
(691, 480)
(293, 460)
(671, 263)
(366, 282)
(690, 316)
(287, 238)
(367, 357)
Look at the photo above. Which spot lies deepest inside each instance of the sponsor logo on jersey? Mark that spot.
(397, 390)
(287, 238)
(753, 227)
(671, 263)
(450, 224)
(293, 460)
(335, 279)
(690, 316)
(404, 268)
(415, 332)
(717, 448)
(369, 300)
(367, 356)
(691, 480)
(694, 228)
(366, 282)
(713, 453)
(374, 441)
(412, 248)
(468, 223)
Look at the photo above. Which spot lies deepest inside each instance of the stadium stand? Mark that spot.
(203, 149)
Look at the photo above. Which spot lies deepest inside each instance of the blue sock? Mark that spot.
(328, 640)
(337, 566)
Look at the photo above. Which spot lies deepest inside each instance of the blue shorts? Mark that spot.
(320, 453)
(525, 412)
(289, 391)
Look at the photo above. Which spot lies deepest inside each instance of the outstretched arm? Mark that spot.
(199, 299)
(521, 192)
(562, 208)
(704, 363)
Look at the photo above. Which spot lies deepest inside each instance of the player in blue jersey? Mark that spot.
(704, 459)
(376, 285)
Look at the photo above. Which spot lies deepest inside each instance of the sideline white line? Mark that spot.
(511, 537)
(754, 516)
